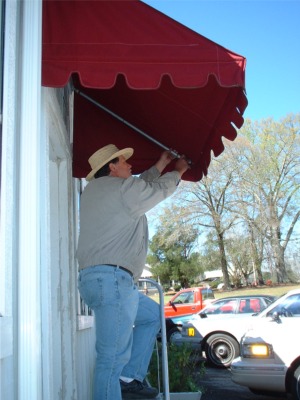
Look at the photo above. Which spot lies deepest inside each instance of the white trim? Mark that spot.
(6, 337)
(8, 172)
(29, 311)
(84, 322)
(58, 274)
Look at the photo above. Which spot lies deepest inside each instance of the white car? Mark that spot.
(235, 306)
(219, 334)
(270, 351)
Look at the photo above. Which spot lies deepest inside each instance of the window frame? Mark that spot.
(85, 316)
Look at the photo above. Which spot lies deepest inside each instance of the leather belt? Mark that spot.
(122, 268)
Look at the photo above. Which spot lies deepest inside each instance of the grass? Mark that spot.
(275, 290)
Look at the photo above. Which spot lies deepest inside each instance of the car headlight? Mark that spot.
(257, 350)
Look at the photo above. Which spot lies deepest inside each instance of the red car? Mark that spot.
(189, 301)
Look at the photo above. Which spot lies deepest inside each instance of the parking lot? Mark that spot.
(217, 385)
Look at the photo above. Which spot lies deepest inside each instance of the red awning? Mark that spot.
(180, 88)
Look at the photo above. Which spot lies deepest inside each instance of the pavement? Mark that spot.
(217, 385)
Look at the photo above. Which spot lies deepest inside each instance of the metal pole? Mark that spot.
(165, 368)
(173, 152)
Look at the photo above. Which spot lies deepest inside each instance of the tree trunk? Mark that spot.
(223, 261)
(280, 269)
(278, 253)
(255, 258)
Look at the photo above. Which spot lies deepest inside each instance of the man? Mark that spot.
(112, 251)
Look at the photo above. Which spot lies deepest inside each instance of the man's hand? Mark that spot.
(165, 159)
(181, 165)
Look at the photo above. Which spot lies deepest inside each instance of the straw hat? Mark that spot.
(104, 155)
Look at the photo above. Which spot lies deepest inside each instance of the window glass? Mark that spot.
(185, 297)
(250, 305)
(228, 307)
(225, 306)
(207, 294)
(290, 307)
(82, 308)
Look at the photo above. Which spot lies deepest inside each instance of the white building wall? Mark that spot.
(31, 156)
(85, 340)
(59, 272)
(71, 335)
(46, 349)
(9, 203)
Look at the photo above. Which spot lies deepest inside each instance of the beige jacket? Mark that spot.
(113, 225)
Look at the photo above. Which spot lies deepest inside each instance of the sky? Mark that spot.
(266, 32)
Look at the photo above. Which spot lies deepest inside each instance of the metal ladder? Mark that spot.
(164, 356)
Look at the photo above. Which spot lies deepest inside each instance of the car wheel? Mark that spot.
(221, 350)
(295, 386)
(173, 334)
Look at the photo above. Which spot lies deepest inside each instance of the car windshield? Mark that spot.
(289, 307)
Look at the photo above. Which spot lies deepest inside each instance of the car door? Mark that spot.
(182, 304)
(281, 329)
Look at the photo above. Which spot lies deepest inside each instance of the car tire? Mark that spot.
(221, 349)
(172, 334)
(295, 385)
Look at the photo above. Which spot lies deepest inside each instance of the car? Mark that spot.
(219, 334)
(189, 301)
(239, 306)
(270, 351)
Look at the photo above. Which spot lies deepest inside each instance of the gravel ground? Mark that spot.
(217, 385)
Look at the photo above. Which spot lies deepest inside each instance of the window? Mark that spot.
(184, 298)
(85, 318)
(289, 308)
(207, 294)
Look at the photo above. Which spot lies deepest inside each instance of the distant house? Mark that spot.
(147, 272)
(147, 287)
(209, 275)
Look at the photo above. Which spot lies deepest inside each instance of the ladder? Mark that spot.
(164, 356)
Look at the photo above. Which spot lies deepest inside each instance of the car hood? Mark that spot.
(282, 334)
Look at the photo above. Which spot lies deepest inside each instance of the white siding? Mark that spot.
(85, 368)
(43, 355)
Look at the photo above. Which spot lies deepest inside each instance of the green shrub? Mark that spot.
(184, 368)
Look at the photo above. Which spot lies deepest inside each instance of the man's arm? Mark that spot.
(166, 157)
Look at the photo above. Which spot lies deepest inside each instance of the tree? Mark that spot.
(255, 186)
(172, 255)
(242, 205)
(269, 181)
(205, 204)
(210, 253)
(240, 259)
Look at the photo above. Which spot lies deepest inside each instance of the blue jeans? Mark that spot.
(127, 323)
